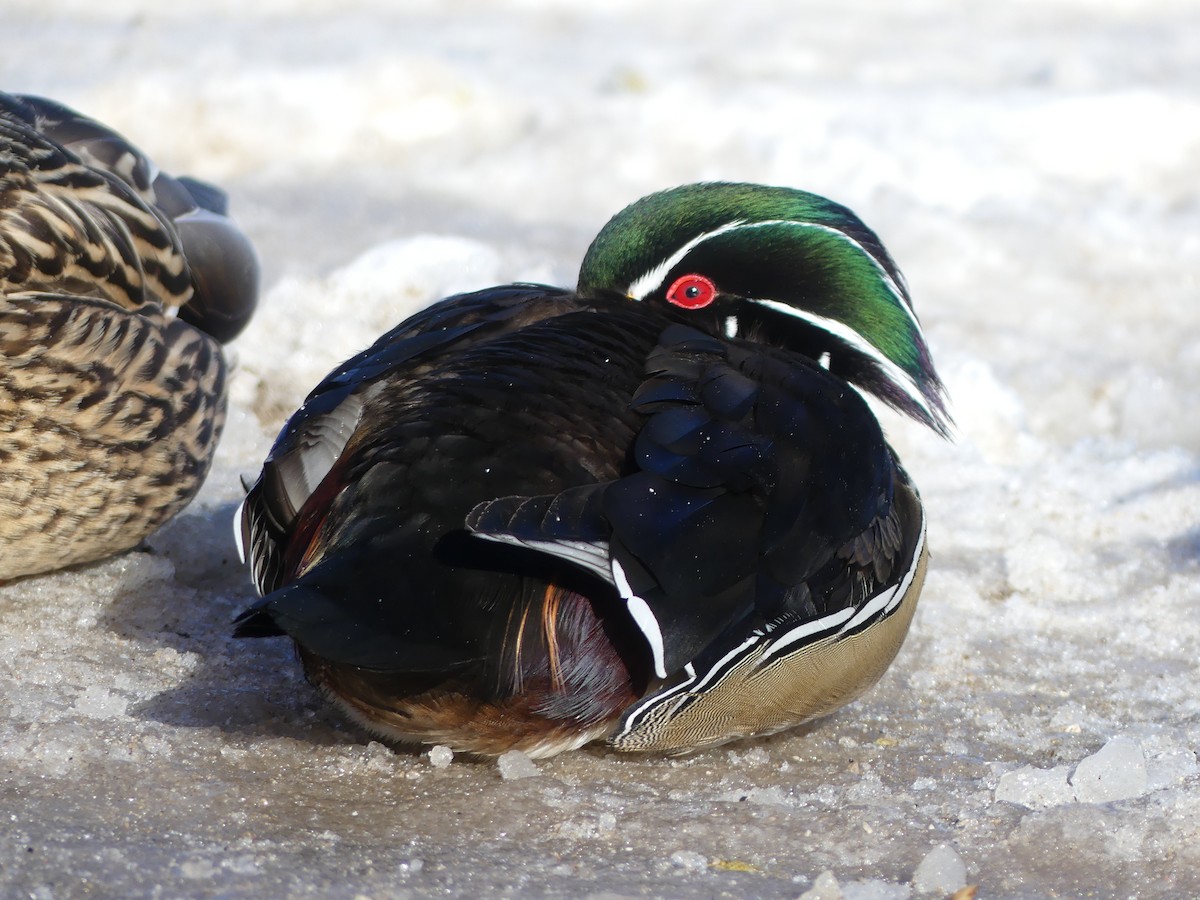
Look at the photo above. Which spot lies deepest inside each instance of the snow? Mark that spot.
(826, 887)
(941, 872)
(1116, 772)
(514, 764)
(1034, 787)
(689, 860)
(1032, 166)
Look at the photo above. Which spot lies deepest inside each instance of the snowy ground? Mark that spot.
(1034, 167)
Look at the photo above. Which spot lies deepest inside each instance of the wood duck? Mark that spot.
(655, 510)
(116, 284)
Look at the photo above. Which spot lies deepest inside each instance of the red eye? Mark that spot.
(692, 292)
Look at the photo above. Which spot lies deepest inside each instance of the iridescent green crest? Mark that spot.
(788, 253)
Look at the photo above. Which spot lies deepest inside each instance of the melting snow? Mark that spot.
(1033, 169)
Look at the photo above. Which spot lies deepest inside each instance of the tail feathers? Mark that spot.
(256, 622)
(327, 627)
(344, 612)
(207, 196)
(225, 273)
(223, 265)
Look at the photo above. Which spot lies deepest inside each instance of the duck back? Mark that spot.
(117, 283)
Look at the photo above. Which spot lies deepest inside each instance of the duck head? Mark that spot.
(777, 266)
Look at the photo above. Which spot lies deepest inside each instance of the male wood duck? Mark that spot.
(655, 510)
(116, 284)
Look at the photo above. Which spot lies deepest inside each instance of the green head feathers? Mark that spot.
(791, 265)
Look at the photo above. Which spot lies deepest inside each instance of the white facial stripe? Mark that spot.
(731, 326)
(896, 288)
(653, 279)
(858, 342)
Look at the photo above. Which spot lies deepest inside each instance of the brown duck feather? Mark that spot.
(113, 395)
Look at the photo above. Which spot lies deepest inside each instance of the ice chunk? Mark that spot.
(379, 757)
(1036, 788)
(1167, 764)
(515, 764)
(755, 756)
(824, 888)
(942, 871)
(197, 869)
(772, 796)
(1115, 772)
(101, 703)
(589, 828)
(410, 866)
(869, 791)
(242, 864)
(440, 757)
(689, 860)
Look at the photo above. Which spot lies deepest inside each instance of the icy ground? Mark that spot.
(1034, 167)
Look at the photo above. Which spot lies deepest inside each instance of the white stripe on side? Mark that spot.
(689, 685)
(843, 621)
(237, 531)
(808, 629)
(645, 621)
(636, 711)
(643, 617)
(588, 556)
(886, 601)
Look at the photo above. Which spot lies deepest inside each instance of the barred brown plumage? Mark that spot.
(116, 285)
